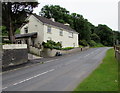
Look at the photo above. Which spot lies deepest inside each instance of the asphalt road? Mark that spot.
(60, 74)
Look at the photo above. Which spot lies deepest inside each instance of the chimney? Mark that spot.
(66, 24)
(52, 19)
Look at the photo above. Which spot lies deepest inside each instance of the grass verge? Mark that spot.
(98, 45)
(103, 78)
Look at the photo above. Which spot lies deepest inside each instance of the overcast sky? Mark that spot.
(96, 11)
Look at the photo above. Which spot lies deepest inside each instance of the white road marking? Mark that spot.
(4, 88)
(29, 78)
(50, 60)
(48, 71)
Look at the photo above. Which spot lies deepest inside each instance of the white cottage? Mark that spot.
(40, 29)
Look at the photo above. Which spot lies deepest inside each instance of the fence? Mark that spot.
(117, 52)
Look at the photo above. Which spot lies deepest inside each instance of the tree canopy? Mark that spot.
(14, 15)
(87, 31)
(89, 34)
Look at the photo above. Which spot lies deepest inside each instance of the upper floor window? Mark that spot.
(61, 32)
(48, 29)
(26, 29)
(70, 34)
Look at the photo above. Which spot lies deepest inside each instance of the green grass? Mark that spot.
(67, 48)
(98, 45)
(103, 78)
(81, 46)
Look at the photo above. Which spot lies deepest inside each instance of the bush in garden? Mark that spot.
(52, 45)
(83, 43)
(92, 43)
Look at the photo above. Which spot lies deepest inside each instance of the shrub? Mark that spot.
(81, 46)
(83, 43)
(4, 31)
(95, 37)
(52, 45)
(67, 48)
(92, 43)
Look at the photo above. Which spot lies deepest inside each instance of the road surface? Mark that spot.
(60, 74)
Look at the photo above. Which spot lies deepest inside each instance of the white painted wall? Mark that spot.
(55, 35)
(15, 46)
(35, 25)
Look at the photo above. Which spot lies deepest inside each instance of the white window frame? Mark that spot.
(70, 35)
(48, 29)
(61, 32)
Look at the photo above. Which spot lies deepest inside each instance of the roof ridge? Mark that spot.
(58, 24)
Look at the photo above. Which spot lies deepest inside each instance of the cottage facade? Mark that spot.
(40, 29)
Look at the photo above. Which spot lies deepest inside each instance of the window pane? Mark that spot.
(61, 33)
(49, 29)
(70, 34)
(26, 29)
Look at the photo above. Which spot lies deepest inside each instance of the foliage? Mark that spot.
(56, 12)
(4, 30)
(81, 25)
(116, 37)
(87, 31)
(62, 15)
(67, 48)
(95, 37)
(17, 31)
(98, 45)
(15, 13)
(104, 78)
(92, 43)
(105, 34)
(81, 46)
(83, 43)
(52, 45)
(6, 42)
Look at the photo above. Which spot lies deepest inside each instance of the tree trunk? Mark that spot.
(11, 32)
(12, 38)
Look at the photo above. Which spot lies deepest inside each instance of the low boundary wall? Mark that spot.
(51, 53)
(35, 51)
(14, 54)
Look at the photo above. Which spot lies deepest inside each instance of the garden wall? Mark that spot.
(51, 53)
(35, 51)
(14, 54)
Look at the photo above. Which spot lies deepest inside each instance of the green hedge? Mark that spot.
(52, 45)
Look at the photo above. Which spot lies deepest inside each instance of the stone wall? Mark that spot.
(14, 54)
(51, 53)
(35, 51)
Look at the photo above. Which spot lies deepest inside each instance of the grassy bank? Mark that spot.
(104, 78)
(98, 45)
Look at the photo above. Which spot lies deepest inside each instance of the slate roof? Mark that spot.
(50, 22)
(25, 35)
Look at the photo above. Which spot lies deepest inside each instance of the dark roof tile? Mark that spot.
(50, 22)
(25, 35)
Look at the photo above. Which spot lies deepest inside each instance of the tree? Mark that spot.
(116, 37)
(14, 15)
(87, 31)
(95, 37)
(106, 34)
(55, 11)
(82, 26)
